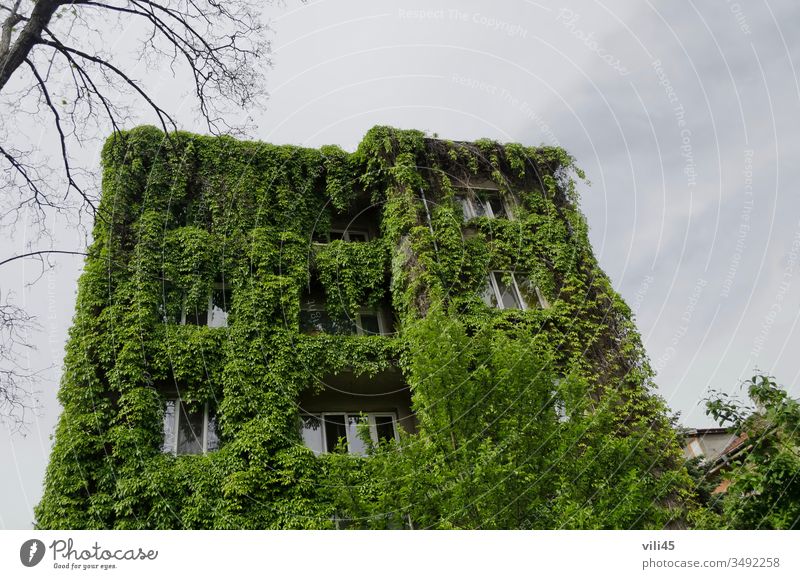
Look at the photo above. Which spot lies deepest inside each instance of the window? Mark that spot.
(559, 404)
(466, 205)
(506, 290)
(315, 319)
(354, 235)
(371, 323)
(483, 203)
(318, 321)
(189, 431)
(218, 306)
(349, 235)
(322, 432)
(216, 314)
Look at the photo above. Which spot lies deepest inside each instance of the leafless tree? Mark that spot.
(16, 379)
(69, 71)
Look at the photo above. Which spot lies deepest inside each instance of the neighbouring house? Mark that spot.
(717, 447)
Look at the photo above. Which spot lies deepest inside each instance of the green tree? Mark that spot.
(480, 461)
(765, 481)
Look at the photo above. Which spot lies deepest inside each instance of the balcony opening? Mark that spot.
(348, 235)
(330, 419)
(360, 226)
(316, 319)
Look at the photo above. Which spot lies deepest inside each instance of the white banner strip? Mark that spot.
(402, 554)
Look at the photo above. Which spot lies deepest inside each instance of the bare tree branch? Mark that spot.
(8, 26)
(163, 116)
(60, 75)
(222, 45)
(16, 379)
(42, 252)
(13, 57)
(71, 184)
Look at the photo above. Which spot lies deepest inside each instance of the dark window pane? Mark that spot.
(320, 237)
(480, 207)
(507, 293)
(221, 297)
(313, 321)
(498, 209)
(384, 428)
(345, 326)
(334, 431)
(212, 435)
(197, 315)
(370, 324)
(169, 427)
(336, 235)
(190, 431)
(314, 301)
(311, 432)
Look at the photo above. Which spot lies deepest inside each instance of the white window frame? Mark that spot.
(210, 310)
(373, 429)
(471, 199)
(543, 303)
(496, 289)
(204, 443)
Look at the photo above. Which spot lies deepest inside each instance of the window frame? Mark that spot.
(543, 303)
(345, 236)
(377, 312)
(210, 310)
(498, 296)
(176, 429)
(470, 199)
(373, 429)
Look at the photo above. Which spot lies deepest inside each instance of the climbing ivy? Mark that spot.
(530, 418)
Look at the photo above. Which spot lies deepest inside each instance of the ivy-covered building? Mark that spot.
(413, 335)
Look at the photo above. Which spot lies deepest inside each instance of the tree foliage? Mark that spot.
(764, 492)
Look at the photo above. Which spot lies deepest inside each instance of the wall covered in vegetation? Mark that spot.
(536, 418)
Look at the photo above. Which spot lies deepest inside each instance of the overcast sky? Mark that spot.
(685, 117)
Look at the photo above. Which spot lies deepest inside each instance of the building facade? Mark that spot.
(413, 335)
